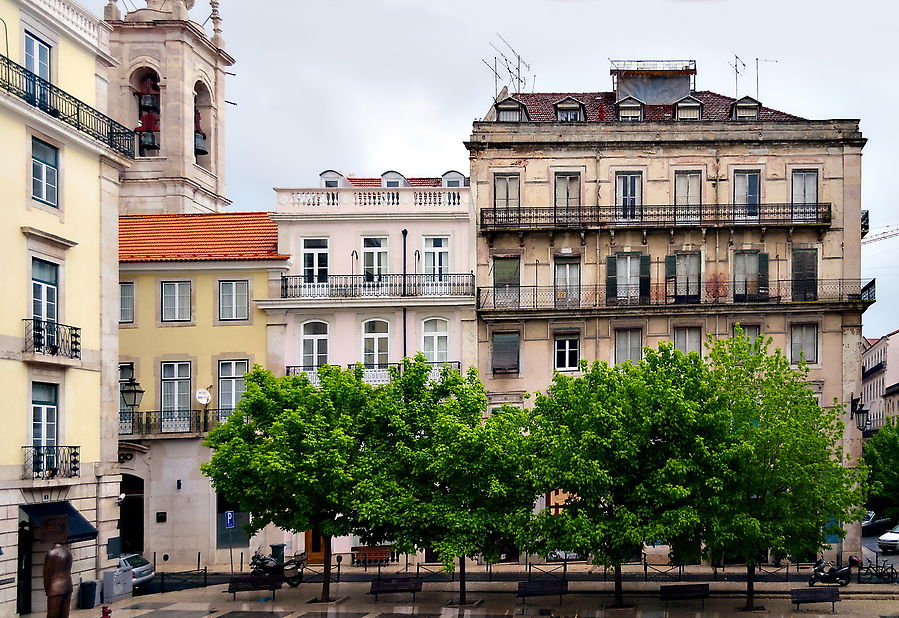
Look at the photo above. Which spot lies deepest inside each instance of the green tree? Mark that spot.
(882, 455)
(627, 444)
(435, 474)
(288, 454)
(782, 479)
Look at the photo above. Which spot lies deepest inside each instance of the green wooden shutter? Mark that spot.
(670, 266)
(644, 278)
(763, 274)
(611, 277)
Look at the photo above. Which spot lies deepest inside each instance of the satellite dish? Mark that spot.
(203, 397)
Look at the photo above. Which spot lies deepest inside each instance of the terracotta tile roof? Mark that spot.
(196, 237)
(601, 106)
(357, 181)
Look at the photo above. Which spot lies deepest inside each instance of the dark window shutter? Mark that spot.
(611, 276)
(763, 274)
(670, 266)
(505, 352)
(644, 276)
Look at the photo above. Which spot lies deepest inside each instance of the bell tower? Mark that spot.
(169, 87)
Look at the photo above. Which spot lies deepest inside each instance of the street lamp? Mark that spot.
(132, 393)
(861, 418)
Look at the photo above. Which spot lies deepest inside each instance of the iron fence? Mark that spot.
(49, 462)
(378, 373)
(52, 338)
(170, 422)
(375, 285)
(37, 91)
(714, 291)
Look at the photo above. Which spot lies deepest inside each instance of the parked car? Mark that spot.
(141, 570)
(889, 542)
(871, 525)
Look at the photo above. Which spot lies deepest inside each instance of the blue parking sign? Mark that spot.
(229, 519)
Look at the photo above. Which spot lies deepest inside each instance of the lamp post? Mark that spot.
(861, 418)
(132, 393)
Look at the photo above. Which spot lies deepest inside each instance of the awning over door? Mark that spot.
(79, 529)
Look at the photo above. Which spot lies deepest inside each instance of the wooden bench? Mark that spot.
(396, 584)
(684, 592)
(243, 583)
(822, 594)
(375, 555)
(542, 588)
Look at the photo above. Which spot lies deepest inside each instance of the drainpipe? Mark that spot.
(405, 329)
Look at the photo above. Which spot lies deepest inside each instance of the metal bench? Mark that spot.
(396, 584)
(243, 583)
(684, 592)
(542, 588)
(823, 594)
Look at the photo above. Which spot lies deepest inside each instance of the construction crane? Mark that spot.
(890, 233)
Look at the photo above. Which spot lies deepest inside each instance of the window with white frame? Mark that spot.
(805, 194)
(688, 339)
(126, 302)
(37, 62)
(567, 349)
(747, 193)
(804, 343)
(569, 113)
(628, 345)
(505, 191)
(435, 343)
(751, 331)
(231, 382)
(630, 111)
(688, 111)
(436, 258)
(375, 344)
(44, 172)
(748, 111)
(175, 386)
(332, 184)
(629, 194)
(374, 259)
(176, 301)
(392, 184)
(688, 196)
(568, 190)
(508, 112)
(44, 415)
(234, 300)
(314, 345)
(315, 260)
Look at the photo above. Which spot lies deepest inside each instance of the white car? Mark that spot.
(889, 542)
(141, 570)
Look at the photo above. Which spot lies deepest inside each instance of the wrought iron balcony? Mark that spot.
(36, 91)
(142, 423)
(371, 374)
(370, 286)
(714, 291)
(52, 338)
(655, 216)
(51, 462)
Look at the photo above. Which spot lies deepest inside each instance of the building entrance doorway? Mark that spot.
(315, 548)
(131, 514)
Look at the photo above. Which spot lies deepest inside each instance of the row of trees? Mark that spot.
(726, 455)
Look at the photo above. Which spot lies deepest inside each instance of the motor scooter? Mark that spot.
(291, 570)
(826, 573)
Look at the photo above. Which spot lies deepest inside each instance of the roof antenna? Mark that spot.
(737, 64)
(513, 65)
(757, 60)
(496, 76)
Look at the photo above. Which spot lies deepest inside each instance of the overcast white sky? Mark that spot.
(363, 86)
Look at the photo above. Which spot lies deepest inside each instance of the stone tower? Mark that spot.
(169, 86)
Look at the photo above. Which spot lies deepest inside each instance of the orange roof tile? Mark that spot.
(198, 236)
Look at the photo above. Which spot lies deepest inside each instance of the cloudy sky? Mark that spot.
(363, 86)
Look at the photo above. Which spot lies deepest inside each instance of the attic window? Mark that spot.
(747, 112)
(509, 112)
(630, 111)
(569, 113)
(687, 111)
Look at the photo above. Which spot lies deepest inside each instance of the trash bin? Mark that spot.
(88, 594)
(278, 552)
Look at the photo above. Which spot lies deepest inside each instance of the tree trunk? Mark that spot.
(462, 599)
(750, 587)
(326, 571)
(619, 593)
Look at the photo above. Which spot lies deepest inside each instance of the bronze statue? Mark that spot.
(58, 581)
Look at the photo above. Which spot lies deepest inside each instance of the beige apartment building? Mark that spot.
(610, 221)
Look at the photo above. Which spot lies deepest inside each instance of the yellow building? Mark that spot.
(189, 331)
(60, 163)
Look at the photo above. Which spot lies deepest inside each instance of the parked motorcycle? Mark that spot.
(291, 570)
(826, 573)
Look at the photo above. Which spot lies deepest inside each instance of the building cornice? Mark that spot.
(201, 266)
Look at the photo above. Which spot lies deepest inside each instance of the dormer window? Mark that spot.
(569, 110)
(630, 109)
(746, 108)
(392, 184)
(331, 184)
(688, 109)
(510, 111)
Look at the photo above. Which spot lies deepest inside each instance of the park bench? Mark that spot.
(542, 588)
(684, 592)
(823, 594)
(396, 584)
(375, 555)
(243, 583)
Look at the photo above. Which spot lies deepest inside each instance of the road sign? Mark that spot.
(229, 519)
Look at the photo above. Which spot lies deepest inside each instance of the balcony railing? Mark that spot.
(866, 223)
(374, 374)
(36, 91)
(365, 286)
(52, 338)
(50, 462)
(647, 215)
(170, 422)
(670, 293)
(357, 198)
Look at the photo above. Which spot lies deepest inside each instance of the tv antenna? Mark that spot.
(738, 66)
(496, 76)
(757, 60)
(512, 63)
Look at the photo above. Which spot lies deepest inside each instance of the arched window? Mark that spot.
(202, 118)
(375, 346)
(314, 344)
(145, 83)
(435, 340)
